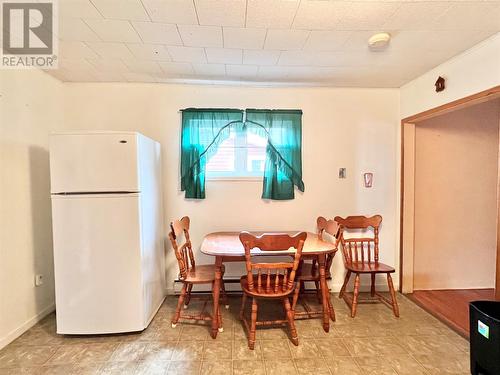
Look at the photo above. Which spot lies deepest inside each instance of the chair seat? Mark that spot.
(261, 292)
(201, 274)
(369, 267)
(308, 272)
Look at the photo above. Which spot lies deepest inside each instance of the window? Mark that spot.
(235, 143)
(243, 154)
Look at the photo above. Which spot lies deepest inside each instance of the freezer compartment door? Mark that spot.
(97, 261)
(94, 162)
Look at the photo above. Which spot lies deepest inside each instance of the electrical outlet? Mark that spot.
(38, 280)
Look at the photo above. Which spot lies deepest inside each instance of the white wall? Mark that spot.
(456, 165)
(30, 106)
(473, 71)
(352, 128)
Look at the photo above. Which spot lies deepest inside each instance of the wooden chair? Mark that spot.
(361, 256)
(272, 281)
(191, 274)
(310, 271)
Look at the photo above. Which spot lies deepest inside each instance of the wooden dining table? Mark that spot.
(227, 247)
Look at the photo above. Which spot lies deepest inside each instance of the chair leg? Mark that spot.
(295, 297)
(372, 289)
(223, 290)
(395, 307)
(253, 325)
(331, 309)
(355, 296)
(180, 302)
(242, 309)
(218, 315)
(318, 292)
(291, 323)
(346, 280)
(225, 301)
(188, 296)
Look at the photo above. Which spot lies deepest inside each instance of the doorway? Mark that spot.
(449, 250)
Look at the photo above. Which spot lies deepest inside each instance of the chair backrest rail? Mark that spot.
(362, 248)
(272, 277)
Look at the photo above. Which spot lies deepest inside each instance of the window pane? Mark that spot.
(241, 155)
(224, 159)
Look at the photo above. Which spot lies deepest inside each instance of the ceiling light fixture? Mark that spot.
(379, 41)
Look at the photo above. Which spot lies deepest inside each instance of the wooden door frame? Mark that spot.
(407, 201)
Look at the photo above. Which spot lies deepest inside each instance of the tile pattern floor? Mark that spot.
(375, 342)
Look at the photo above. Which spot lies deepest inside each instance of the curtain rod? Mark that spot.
(295, 111)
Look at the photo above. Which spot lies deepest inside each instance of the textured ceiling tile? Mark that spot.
(114, 30)
(286, 39)
(235, 37)
(171, 11)
(75, 50)
(296, 58)
(172, 68)
(416, 16)
(108, 65)
(160, 33)
(326, 40)
(271, 13)
(74, 29)
(143, 67)
(365, 16)
(242, 71)
(121, 9)
(108, 50)
(156, 52)
(78, 9)
(75, 64)
(358, 40)
(260, 57)
(201, 36)
(470, 16)
(210, 69)
(319, 15)
(221, 12)
(224, 56)
(293, 73)
(187, 54)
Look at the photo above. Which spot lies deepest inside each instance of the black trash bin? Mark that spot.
(484, 337)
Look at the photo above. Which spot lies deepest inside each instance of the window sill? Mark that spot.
(236, 179)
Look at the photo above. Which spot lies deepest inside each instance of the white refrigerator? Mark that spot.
(107, 231)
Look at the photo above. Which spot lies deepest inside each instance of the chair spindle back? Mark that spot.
(183, 251)
(360, 249)
(284, 272)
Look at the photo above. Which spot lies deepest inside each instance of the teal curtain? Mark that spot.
(283, 168)
(202, 131)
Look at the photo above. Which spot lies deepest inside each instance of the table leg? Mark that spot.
(324, 292)
(216, 293)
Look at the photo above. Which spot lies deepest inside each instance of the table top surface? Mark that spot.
(229, 244)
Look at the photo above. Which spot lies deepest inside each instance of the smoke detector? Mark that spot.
(379, 42)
